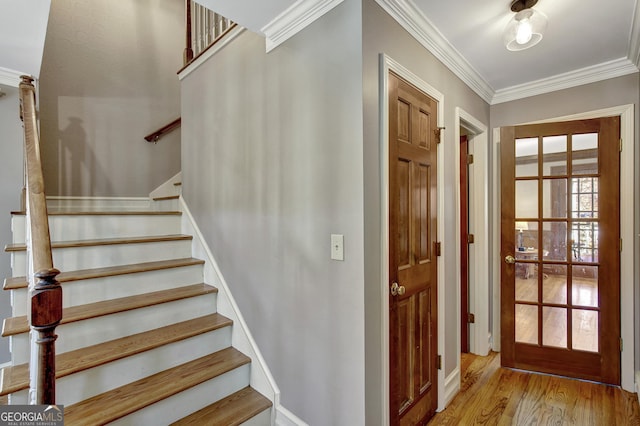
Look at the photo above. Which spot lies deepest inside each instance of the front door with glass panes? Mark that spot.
(560, 246)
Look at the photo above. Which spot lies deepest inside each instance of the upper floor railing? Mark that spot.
(45, 293)
(203, 28)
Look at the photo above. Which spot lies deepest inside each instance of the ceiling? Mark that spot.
(585, 41)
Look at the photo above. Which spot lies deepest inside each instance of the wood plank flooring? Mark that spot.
(491, 395)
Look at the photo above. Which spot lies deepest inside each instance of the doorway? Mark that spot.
(560, 242)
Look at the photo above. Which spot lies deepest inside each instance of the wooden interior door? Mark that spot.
(560, 242)
(412, 253)
(464, 244)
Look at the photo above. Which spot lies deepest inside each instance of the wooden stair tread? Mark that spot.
(230, 411)
(16, 378)
(119, 402)
(168, 197)
(17, 325)
(104, 242)
(110, 271)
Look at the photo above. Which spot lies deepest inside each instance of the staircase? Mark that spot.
(141, 341)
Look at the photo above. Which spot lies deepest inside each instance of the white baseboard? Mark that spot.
(285, 417)
(168, 188)
(637, 384)
(451, 386)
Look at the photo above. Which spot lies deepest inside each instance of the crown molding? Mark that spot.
(634, 40)
(10, 77)
(294, 19)
(411, 18)
(591, 74)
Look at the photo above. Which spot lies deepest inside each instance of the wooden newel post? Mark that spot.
(46, 314)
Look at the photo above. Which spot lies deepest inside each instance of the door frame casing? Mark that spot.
(387, 64)
(627, 119)
(480, 335)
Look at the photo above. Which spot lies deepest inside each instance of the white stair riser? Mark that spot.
(167, 205)
(86, 204)
(76, 335)
(189, 401)
(113, 287)
(72, 227)
(74, 258)
(261, 419)
(86, 384)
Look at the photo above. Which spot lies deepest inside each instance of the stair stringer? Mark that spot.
(241, 338)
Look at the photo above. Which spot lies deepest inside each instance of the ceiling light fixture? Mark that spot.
(527, 26)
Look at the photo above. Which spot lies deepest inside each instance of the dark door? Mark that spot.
(412, 255)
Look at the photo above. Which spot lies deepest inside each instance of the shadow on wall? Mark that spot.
(78, 165)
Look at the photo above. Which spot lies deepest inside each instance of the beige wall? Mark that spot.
(108, 78)
(271, 167)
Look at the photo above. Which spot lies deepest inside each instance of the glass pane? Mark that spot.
(554, 284)
(554, 202)
(527, 198)
(527, 324)
(554, 155)
(526, 235)
(526, 282)
(584, 242)
(584, 285)
(584, 197)
(527, 157)
(585, 330)
(554, 327)
(554, 241)
(585, 151)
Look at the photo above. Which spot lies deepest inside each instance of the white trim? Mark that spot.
(67, 202)
(294, 19)
(388, 64)
(218, 46)
(10, 77)
(627, 117)
(261, 378)
(285, 417)
(452, 385)
(412, 19)
(495, 249)
(479, 226)
(591, 74)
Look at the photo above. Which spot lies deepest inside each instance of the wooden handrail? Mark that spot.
(153, 137)
(45, 293)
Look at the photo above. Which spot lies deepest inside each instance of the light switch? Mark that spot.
(337, 246)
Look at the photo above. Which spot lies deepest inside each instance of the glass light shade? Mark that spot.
(525, 29)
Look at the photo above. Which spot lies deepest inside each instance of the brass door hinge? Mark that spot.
(437, 132)
(439, 362)
(621, 345)
(471, 238)
(620, 144)
(438, 248)
(471, 318)
(470, 159)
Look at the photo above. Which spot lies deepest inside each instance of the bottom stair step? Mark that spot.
(230, 411)
(115, 404)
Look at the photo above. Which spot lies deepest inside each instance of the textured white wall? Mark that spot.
(272, 166)
(108, 79)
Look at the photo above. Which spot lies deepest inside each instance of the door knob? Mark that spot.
(397, 290)
(510, 259)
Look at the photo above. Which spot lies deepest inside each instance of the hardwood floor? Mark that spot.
(491, 395)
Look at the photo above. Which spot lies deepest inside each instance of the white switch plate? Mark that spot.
(337, 247)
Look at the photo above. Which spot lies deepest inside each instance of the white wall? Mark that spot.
(108, 79)
(271, 166)
(11, 178)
